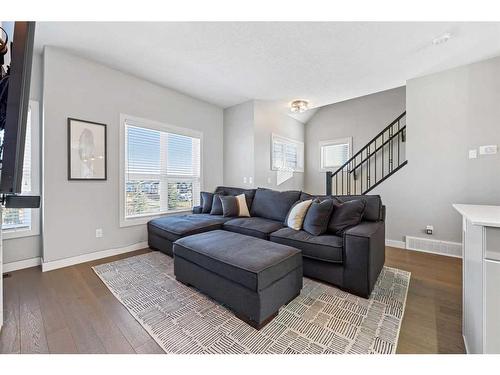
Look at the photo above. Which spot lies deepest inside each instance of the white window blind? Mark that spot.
(287, 154)
(19, 219)
(335, 153)
(162, 171)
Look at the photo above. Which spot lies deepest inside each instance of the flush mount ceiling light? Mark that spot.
(441, 39)
(299, 106)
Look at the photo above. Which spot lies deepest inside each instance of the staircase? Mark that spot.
(383, 156)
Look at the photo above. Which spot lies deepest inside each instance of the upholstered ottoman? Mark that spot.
(250, 276)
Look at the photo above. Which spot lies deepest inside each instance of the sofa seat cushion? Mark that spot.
(326, 247)
(248, 261)
(174, 227)
(253, 226)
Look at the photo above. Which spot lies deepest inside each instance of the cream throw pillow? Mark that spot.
(242, 206)
(297, 214)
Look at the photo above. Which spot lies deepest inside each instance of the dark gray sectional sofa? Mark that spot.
(351, 261)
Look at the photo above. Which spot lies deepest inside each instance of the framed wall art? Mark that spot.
(87, 158)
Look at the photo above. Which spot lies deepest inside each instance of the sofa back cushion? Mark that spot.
(273, 204)
(373, 210)
(227, 190)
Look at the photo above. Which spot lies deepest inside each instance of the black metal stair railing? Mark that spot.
(380, 158)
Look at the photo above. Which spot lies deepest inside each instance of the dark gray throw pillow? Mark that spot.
(230, 206)
(206, 202)
(318, 216)
(346, 215)
(216, 205)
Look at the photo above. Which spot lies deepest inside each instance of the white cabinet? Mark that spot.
(492, 306)
(472, 263)
(481, 278)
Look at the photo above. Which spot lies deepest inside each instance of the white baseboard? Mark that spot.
(21, 264)
(436, 252)
(402, 245)
(394, 243)
(66, 262)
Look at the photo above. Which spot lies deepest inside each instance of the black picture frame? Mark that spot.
(71, 174)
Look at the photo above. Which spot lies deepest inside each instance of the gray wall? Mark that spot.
(76, 87)
(248, 128)
(361, 118)
(239, 144)
(16, 249)
(448, 114)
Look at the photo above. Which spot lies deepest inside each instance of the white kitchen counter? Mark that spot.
(487, 216)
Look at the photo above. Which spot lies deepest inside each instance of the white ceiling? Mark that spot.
(230, 63)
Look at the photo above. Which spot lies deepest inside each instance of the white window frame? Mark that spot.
(153, 125)
(333, 142)
(300, 152)
(35, 177)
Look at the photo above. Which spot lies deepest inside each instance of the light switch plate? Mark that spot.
(473, 154)
(250, 180)
(488, 149)
(244, 180)
(98, 233)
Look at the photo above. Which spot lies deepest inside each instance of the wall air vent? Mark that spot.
(453, 249)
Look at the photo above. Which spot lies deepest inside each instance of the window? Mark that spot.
(161, 170)
(334, 153)
(21, 222)
(287, 154)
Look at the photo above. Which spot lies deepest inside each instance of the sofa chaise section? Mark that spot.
(164, 231)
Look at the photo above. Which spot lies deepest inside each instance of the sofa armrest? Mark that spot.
(365, 229)
(197, 210)
(364, 256)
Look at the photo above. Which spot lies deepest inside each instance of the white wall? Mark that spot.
(239, 163)
(248, 128)
(76, 87)
(271, 117)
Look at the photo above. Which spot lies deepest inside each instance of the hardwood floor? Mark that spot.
(71, 311)
(433, 317)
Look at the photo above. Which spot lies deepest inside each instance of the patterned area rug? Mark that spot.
(322, 320)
